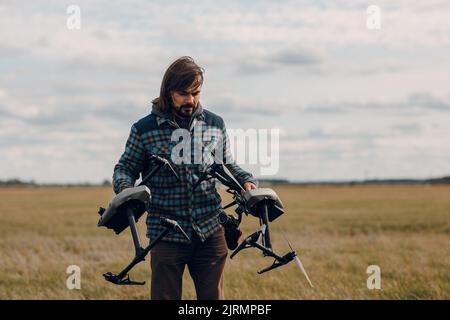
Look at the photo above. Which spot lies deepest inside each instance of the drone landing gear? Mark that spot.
(122, 278)
(261, 240)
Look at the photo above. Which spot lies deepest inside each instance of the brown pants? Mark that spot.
(205, 261)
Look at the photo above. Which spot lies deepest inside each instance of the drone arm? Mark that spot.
(230, 205)
(141, 255)
(279, 261)
(217, 171)
(160, 162)
(274, 265)
(240, 175)
(202, 177)
(267, 251)
(226, 178)
(248, 242)
(244, 245)
(151, 173)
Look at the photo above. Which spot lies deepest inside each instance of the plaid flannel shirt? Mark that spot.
(195, 210)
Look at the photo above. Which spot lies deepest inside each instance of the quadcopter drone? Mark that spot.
(129, 205)
(125, 210)
(262, 203)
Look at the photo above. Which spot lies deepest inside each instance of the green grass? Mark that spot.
(338, 232)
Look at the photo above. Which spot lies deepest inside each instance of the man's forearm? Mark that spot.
(131, 163)
(122, 179)
(240, 174)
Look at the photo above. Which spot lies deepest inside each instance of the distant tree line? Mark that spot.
(32, 183)
(107, 183)
(442, 180)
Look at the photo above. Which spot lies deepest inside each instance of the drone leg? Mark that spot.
(134, 231)
(150, 174)
(143, 252)
(265, 220)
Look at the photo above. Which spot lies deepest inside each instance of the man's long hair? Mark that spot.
(180, 75)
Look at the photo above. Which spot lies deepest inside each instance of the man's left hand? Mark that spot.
(248, 186)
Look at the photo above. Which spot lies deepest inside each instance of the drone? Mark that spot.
(262, 203)
(125, 210)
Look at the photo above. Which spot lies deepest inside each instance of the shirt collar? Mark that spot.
(163, 117)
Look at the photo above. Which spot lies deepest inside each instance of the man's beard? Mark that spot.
(186, 110)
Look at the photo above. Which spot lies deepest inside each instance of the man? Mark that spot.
(196, 210)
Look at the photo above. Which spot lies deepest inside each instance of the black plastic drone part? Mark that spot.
(266, 206)
(127, 216)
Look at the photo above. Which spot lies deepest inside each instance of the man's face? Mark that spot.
(185, 102)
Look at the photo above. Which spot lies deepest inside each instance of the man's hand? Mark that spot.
(248, 186)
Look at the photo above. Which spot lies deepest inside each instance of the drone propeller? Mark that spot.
(300, 265)
(298, 262)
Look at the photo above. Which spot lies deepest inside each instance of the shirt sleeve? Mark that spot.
(130, 164)
(240, 174)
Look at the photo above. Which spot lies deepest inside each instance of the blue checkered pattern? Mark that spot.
(195, 210)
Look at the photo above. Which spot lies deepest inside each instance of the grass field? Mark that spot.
(338, 232)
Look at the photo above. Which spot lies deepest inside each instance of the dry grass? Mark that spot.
(337, 230)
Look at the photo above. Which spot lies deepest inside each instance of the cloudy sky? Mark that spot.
(350, 102)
